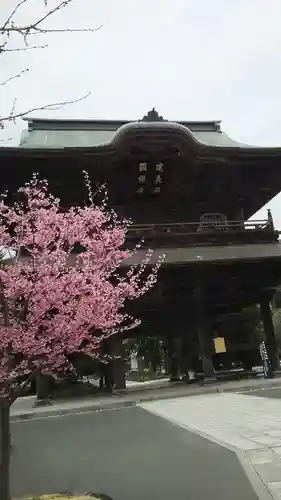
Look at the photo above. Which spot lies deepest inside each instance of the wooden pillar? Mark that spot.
(204, 335)
(184, 360)
(206, 352)
(240, 218)
(269, 332)
(189, 351)
(119, 374)
(42, 390)
(174, 358)
(107, 379)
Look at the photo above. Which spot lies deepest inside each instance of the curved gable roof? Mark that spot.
(60, 134)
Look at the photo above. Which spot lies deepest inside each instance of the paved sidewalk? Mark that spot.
(23, 408)
(249, 425)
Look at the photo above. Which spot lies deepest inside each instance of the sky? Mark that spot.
(190, 59)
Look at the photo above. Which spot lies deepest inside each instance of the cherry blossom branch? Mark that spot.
(15, 393)
(4, 305)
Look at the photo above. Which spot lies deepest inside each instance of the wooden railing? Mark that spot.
(191, 233)
(194, 227)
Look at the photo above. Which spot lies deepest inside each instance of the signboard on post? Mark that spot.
(267, 368)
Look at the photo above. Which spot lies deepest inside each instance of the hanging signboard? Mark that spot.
(219, 344)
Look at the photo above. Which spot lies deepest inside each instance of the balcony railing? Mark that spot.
(204, 232)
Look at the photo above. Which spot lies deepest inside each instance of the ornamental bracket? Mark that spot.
(152, 116)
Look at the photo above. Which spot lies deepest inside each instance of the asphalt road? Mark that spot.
(129, 454)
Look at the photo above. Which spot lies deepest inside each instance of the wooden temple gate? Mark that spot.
(190, 191)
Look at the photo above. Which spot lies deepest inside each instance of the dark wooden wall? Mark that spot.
(191, 185)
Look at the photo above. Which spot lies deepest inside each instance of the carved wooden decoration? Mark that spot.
(160, 167)
(150, 183)
(142, 167)
(158, 179)
(141, 179)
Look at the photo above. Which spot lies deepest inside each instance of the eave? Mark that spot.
(110, 149)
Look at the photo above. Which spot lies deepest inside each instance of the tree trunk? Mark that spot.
(5, 450)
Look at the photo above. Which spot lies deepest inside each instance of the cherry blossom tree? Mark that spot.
(63, 291)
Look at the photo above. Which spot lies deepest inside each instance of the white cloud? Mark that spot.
(191, 59)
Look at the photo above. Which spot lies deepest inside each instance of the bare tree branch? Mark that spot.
(10, 27)
(67, 30)
(21, 49)
(10, 18)
(51, 107)
(18, 75)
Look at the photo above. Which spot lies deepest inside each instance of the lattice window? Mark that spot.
(212, 222)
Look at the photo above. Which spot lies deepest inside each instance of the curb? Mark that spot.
(71, 411)
(129, 403)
